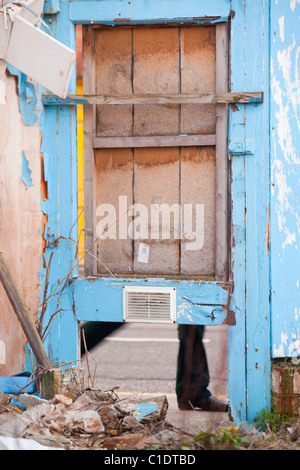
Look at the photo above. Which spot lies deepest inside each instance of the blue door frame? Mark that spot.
(82, 299)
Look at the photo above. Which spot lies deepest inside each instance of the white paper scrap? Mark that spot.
(143, 254)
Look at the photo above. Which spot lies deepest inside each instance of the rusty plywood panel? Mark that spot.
(156, 70)
(114, 178)
(113, 72)
(198, 186)
(198, 75)
(156, 176)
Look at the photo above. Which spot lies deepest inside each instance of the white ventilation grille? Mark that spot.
(149, 304)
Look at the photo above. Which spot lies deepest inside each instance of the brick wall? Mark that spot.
(286, 388)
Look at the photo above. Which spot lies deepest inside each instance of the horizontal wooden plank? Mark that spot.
(157, 11)
(156, 98)
(155, 141)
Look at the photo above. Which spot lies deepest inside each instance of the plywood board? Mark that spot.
(198, 186)
(198, 75)
(114, 75)
(114, 178)
(156, 70)
(155, 60)
(156, 176)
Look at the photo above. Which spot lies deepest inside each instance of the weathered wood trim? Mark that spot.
(89, 125)
(221, 270)
(156, 98)
(257, 185)
(115, 12)
(155, 141)
(197, 302)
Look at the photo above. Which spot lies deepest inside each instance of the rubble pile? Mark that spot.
(91, 419)
(98, 420)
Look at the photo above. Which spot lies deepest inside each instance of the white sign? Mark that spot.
(143, 254)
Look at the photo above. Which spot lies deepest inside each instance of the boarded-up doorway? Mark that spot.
(156, 166)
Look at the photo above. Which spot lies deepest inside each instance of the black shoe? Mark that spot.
(206, 404)
(212, 404)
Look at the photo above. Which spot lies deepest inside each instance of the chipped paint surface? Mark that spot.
(26, 171)
(285, 160)
(28, 97)
(19, 218)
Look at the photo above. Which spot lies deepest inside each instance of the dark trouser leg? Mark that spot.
(192, 369)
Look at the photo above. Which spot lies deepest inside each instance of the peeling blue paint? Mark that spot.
(55, 100)
(26, 172)
(285, 195)
(144, 409)
(59, 151)
(28, 97)
(237, 333)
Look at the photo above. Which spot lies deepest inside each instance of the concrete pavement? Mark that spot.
(140, 359)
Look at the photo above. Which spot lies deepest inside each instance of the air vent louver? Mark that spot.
(151, 304)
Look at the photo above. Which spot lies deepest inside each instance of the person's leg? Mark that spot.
(192, 378)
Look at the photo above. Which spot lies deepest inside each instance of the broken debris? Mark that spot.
(78, 418)
(55, 381)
